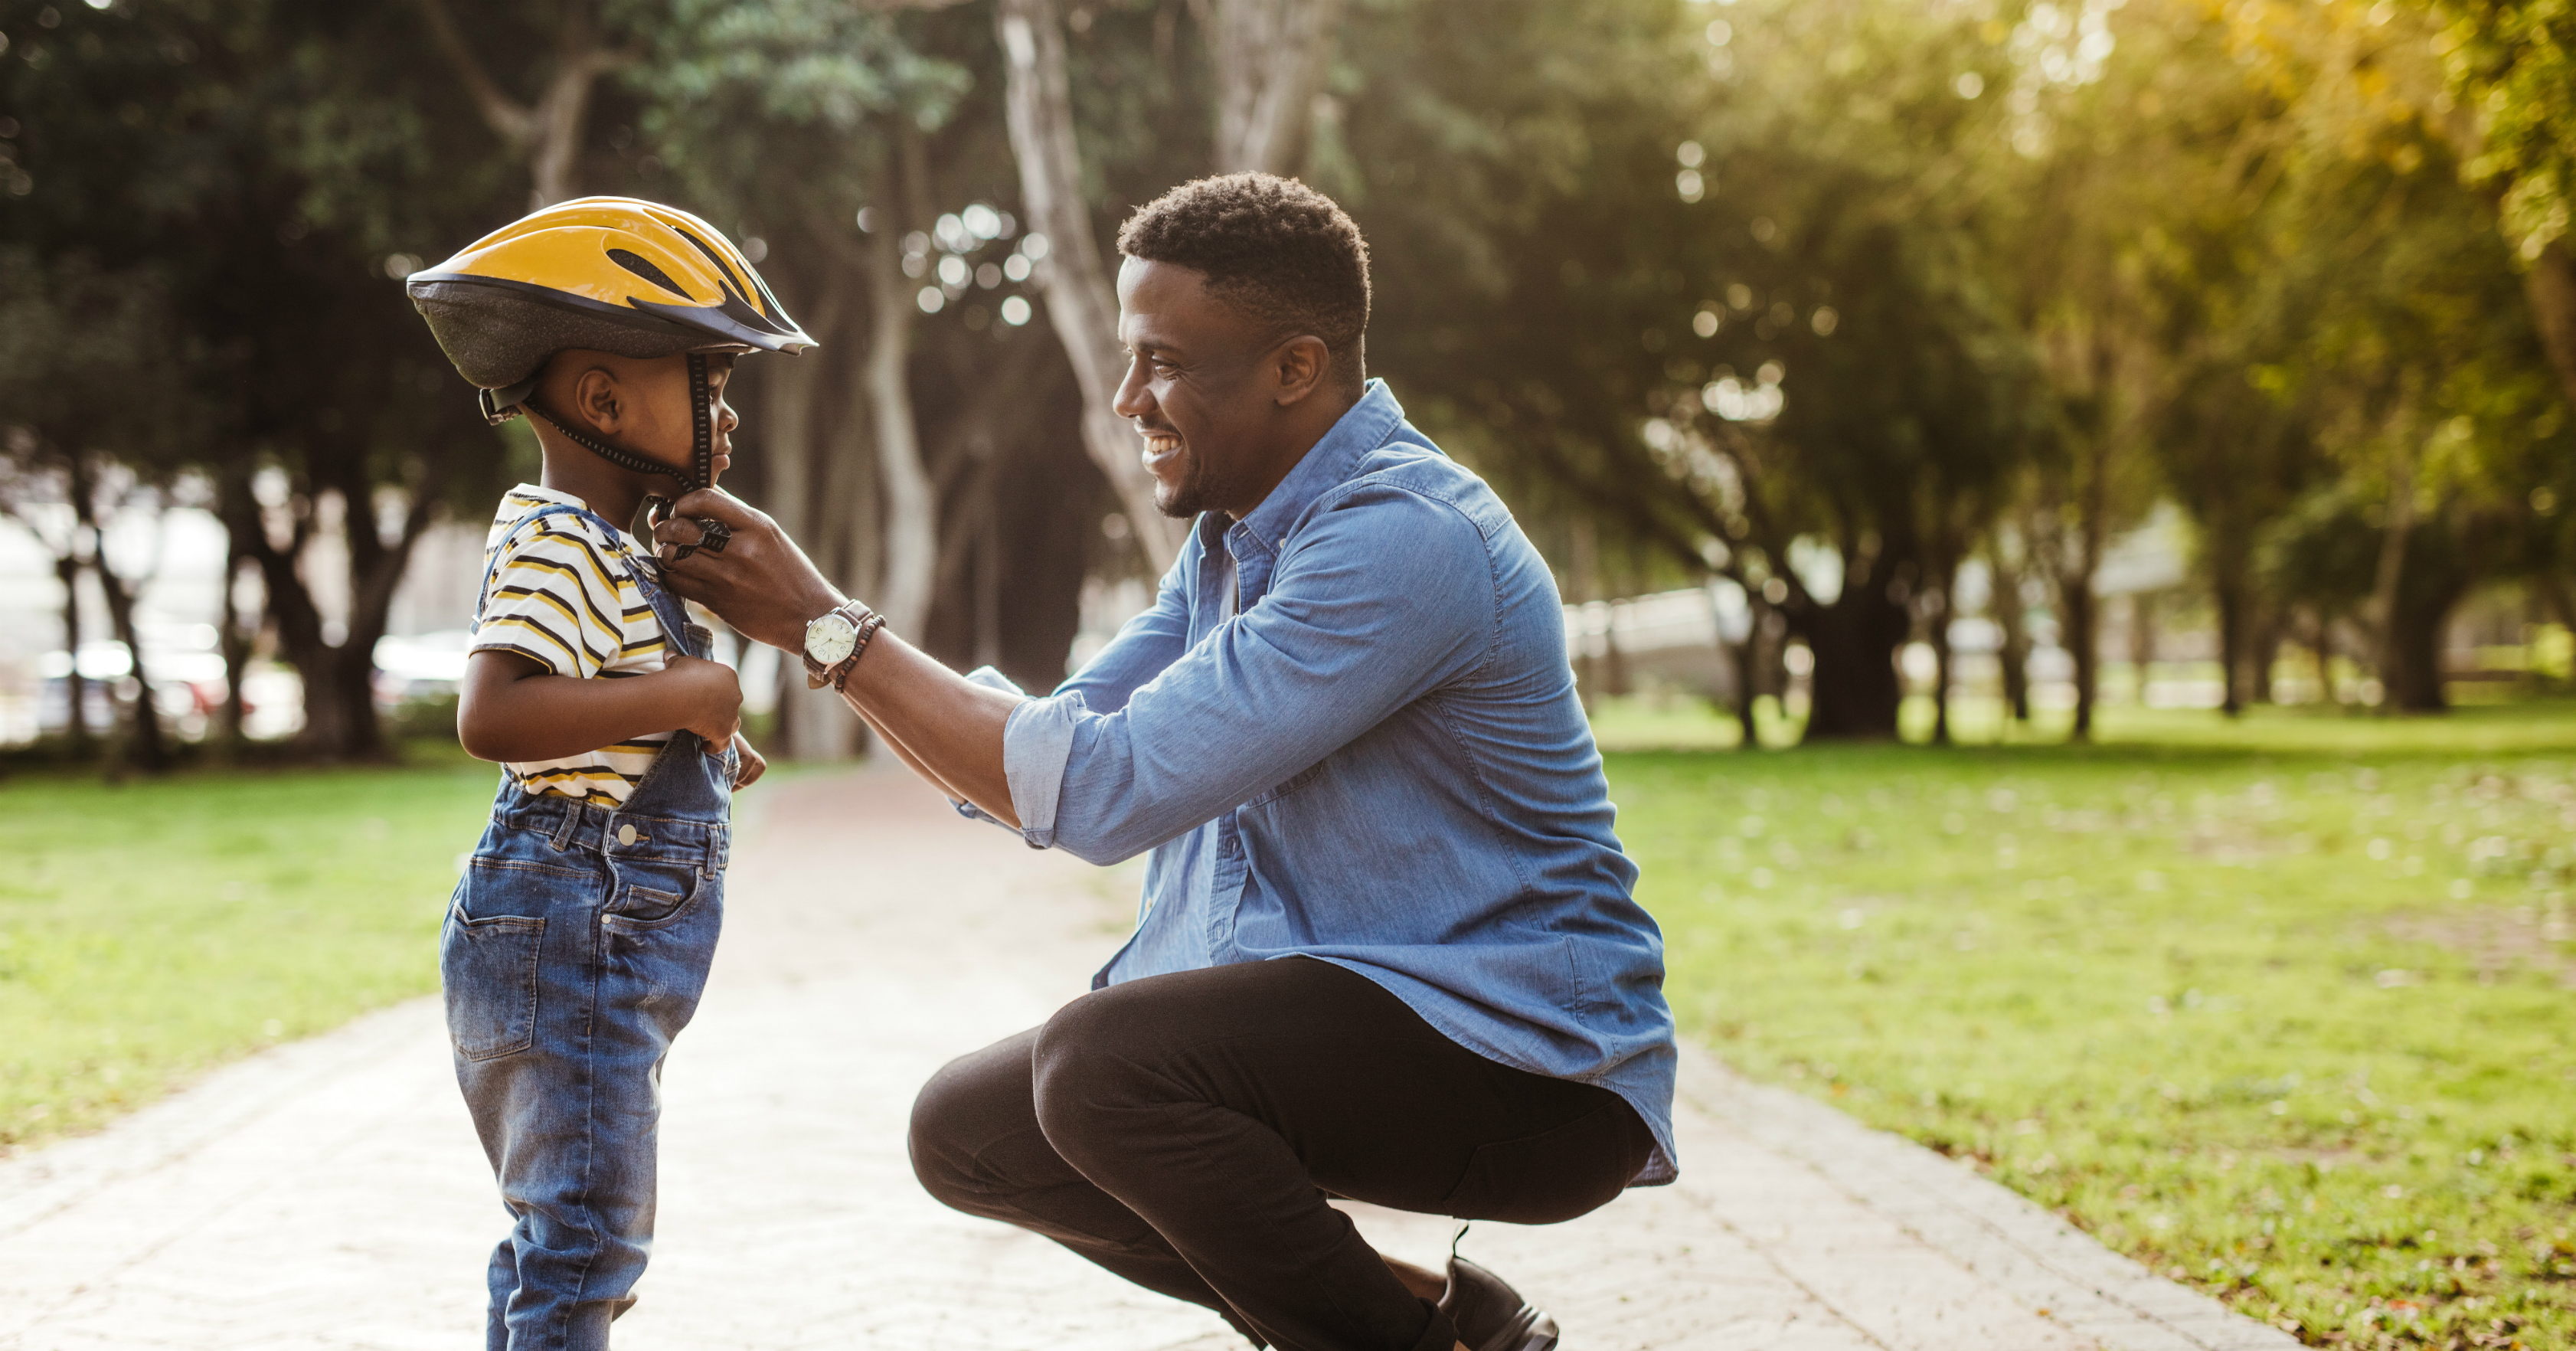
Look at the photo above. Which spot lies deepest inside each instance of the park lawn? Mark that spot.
(2286, 1010)
(150, 931)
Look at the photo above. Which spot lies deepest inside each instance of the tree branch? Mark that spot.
(511, 120)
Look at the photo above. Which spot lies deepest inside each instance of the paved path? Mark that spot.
(329, 1194)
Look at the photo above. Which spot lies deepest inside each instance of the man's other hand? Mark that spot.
(762, 584)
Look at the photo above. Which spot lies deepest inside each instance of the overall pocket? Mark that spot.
(488, 968)
(651, 891)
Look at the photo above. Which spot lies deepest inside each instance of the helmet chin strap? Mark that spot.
(702, 459)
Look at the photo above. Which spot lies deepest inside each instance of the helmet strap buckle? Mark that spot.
(501, 405)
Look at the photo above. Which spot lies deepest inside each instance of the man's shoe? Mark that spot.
(1492, 1316)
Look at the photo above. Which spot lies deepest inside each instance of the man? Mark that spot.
(1387, 950)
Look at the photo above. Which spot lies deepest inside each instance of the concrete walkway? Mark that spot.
(330, 1194)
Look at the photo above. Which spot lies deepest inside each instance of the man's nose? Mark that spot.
(1133, 401)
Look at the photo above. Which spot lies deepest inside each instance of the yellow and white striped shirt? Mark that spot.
(564, 598)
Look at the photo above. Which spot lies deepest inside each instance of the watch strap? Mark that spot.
(862, 619)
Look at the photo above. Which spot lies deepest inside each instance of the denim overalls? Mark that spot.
(575, 949)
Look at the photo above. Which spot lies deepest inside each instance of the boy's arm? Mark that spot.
(512, 709)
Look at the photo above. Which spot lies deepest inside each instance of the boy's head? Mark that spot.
(613, 320)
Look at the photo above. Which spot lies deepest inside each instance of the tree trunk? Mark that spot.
(1740, 658)
(1080, 302)
(2551, 287)
(2012, 653)
(911, 507)
(1269, 59)
(2412, 673)
(2263, 652)
(1746, 656)
(235, 644)
(1941, 668)
(141, 744)
(813, 725)
(1855, 641)
(2083, 638)
(232, 498)
(2392, 561)
(67, 570)
(2232, 594)
(340, 722)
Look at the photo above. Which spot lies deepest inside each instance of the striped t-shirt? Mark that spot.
(563, 597)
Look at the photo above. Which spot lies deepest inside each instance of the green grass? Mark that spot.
(2281, 1008)
(150, 931)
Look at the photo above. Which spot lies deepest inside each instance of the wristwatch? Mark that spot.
(834, 642)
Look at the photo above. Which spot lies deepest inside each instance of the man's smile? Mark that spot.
(1160, 446)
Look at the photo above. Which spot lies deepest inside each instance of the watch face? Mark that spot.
(830, 638)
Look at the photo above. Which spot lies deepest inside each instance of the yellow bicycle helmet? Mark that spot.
(610, 274)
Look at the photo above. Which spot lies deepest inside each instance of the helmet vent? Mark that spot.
(723, 264)
(643, 267)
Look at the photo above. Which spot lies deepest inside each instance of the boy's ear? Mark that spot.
(597, 399)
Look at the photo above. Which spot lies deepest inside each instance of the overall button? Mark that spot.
(626, 834)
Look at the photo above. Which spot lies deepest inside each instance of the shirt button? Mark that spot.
(626, 834)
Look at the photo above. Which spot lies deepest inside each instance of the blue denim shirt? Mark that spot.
(1375, 757)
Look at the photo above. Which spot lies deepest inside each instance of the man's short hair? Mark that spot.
(1276, 250)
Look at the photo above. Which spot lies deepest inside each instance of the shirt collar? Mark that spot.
(539, 493)
(1363, 427)
(555, 496)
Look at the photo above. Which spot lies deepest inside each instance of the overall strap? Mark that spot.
(668, 610)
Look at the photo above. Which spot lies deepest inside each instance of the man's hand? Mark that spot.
(708, 697)
(762, 584)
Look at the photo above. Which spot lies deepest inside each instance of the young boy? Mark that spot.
(577, 944)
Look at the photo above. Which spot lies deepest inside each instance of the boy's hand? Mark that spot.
(752, 765)
(708, 697)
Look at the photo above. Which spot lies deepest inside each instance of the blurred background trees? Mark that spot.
(1882, 322)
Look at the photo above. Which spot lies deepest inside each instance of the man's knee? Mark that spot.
(1090, 1073)
(971, 1102)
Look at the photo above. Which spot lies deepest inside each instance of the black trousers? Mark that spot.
(1185, 1130)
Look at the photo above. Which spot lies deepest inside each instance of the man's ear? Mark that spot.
(598, 400)
(1302, 364)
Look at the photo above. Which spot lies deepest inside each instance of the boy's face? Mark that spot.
(643, 405)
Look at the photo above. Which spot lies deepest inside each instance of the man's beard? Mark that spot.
(1199, 490)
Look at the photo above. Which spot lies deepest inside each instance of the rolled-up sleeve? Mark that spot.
(1035, 741)
(1385, 594)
